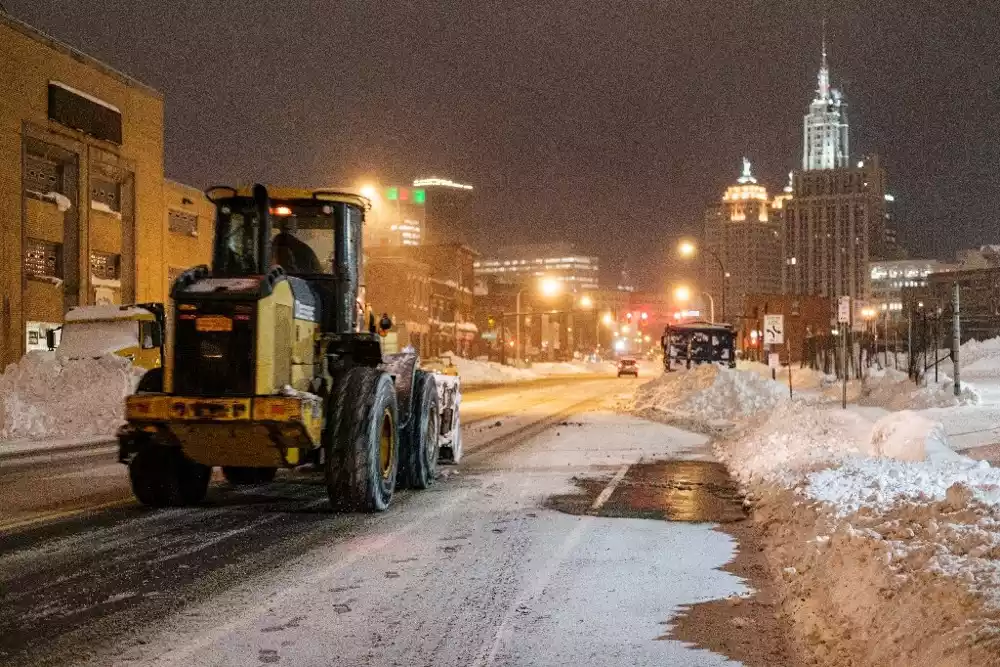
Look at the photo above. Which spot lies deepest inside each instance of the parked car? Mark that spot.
(628, 366)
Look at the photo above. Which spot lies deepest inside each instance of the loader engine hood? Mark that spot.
(238, 336)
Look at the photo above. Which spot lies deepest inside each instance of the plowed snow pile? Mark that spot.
(710, 394)
(45, 397)
(877, 530)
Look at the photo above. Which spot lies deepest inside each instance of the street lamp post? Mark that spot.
(549, 287)
(683, 294)
(688, 249)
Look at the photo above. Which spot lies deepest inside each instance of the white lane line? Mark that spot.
(610, 488)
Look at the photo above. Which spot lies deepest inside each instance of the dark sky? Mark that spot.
(606, 123)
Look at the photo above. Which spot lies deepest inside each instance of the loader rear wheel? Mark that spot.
(420, 445)
(163, 477)
(362, 447)
(240, 476)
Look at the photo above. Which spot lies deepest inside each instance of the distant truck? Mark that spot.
(135, 332)
(695, 343)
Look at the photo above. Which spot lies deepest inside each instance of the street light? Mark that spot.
(608, 319)
(548, 287)
(683, 295)
(369, 191)
(586, 302)
(689, 249)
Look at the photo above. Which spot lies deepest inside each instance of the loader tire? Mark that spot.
(241, 476)
(418, 467)
(362, 456)
(164, 477)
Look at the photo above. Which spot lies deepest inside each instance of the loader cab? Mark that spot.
(311, 235)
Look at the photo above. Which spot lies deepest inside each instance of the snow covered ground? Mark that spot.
(875, 493)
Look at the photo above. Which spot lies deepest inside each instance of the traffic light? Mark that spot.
(645, 315)
(491, 321)
(628, 316)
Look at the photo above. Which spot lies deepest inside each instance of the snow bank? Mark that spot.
(490, 372)
(45, 397)
(94, 339)
(893, 390)
(710, 394)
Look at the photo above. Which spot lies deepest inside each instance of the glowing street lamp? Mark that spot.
(369, 192)
(689, 249)
(682, 294)
(550, 286)
(586, 301)
(608, 319)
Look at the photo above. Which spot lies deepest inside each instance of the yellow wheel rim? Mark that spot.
(386, 443)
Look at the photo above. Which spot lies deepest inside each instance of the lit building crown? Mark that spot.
(825, 142)
(747, 188)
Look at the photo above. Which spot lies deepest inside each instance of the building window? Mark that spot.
(42, 259)
(105, 196)
(42, 176)
(105, 265)
(182, 222)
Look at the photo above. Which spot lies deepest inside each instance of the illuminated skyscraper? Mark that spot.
(825, 142)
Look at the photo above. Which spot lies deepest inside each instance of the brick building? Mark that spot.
(82, 209)
(401, 287)
(804, 316)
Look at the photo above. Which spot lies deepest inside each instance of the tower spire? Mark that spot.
(824, 71)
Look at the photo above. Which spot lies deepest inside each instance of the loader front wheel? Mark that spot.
(362, 448)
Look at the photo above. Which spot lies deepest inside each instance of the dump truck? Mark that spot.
(275, 361)
(134, 331)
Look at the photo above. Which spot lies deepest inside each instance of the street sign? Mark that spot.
(774, 329)
(773, 361)
(844, 310)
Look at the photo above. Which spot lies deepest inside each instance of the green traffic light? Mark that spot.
(419, 196)
(392, 194)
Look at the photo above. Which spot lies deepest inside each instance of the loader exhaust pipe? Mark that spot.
(347, 267)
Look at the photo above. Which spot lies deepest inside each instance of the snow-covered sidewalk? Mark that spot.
(877, 528)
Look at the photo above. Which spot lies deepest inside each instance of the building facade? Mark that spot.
(400, 286)
(449, 216)
(888, 278)
(524, 264)
(85, 215)
(979, 291)
(742, 233)
(834, 226)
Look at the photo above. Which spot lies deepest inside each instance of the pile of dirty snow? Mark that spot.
(710, 394)
(893, 390)
(474, 371)
(42, 396)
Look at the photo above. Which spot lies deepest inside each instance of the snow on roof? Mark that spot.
(106, 312)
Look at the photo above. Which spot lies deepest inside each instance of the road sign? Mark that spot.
(844, 310)
(773, 361)
(774, 329)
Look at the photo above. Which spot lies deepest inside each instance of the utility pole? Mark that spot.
(956, 338)
(910, 366)
(843, 361)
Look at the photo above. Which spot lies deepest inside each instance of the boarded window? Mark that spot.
(105, 194)
(42, 259)
(85, 114)
(105, 265)
(182, 222)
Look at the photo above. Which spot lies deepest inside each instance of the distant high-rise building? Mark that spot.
(834, 226)
(743, 235)
(825, 141)
(523, 264)
(448, 210)
(397, 217)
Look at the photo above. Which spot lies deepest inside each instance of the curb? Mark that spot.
(68, 448)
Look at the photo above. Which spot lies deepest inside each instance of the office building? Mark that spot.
(523, 264)
(448, 211)
(741, 247)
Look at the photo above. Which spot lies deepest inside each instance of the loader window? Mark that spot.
(237, 239)
(302, 237)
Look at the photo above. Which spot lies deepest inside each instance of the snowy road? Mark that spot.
(480, 570)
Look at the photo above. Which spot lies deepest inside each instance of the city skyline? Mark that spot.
(569, 135)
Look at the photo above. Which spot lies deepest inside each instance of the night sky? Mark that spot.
(611, 124)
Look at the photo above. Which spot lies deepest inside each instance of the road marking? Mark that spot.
(610, 488)
(62, 514)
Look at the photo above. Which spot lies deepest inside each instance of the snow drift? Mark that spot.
(42, 396)
(710, 394)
